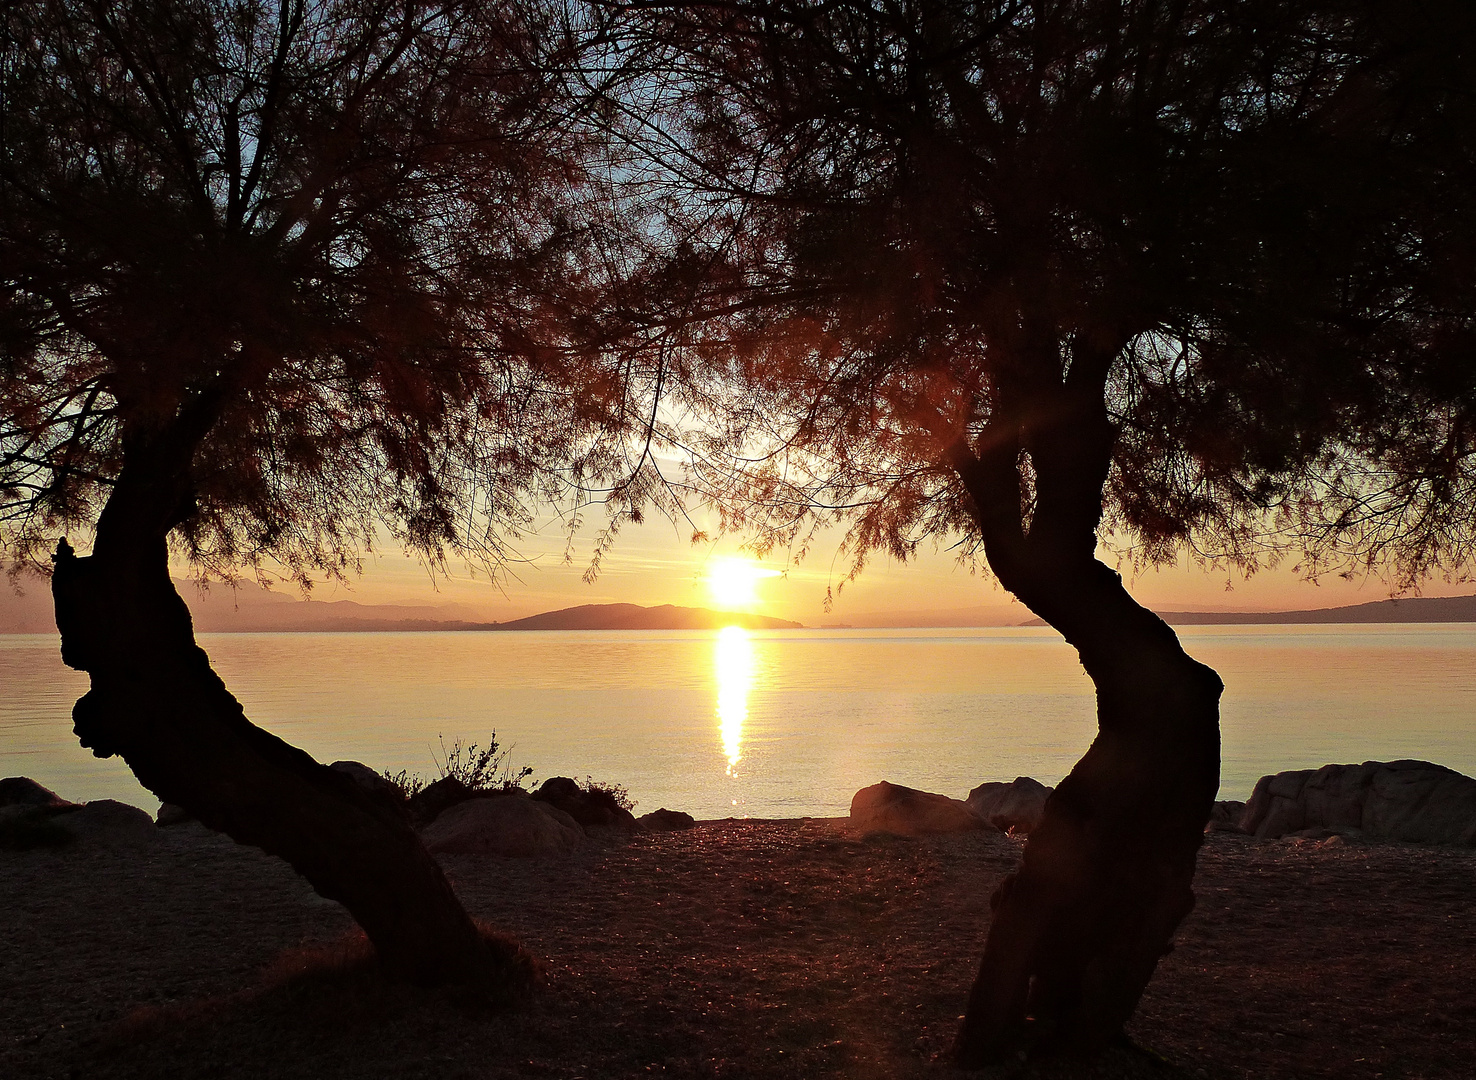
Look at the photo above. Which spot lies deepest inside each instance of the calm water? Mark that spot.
(776, 723)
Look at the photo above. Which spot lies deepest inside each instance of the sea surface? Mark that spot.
(775, 723)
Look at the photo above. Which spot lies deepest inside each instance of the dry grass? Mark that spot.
(739, 949)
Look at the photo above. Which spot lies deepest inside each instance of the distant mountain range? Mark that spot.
(249, 609)
(635, 617)
(252, 609)
(1411, 609)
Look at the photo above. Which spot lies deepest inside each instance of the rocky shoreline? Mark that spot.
(795, 949)
(1410, 802)
(1415, 802)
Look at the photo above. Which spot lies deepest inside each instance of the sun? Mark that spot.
(733, 582)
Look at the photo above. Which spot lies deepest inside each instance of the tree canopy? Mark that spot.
(354, 243)
(275, 274)
(1245, 230)
(1043, 272)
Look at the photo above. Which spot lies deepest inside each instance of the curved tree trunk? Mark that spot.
(1105, 878)
(155, 700)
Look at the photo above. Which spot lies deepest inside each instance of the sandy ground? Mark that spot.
(739, 949)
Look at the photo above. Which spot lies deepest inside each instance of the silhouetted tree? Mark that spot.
(1043, 274)
(274, 274)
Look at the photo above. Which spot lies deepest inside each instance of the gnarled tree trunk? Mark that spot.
(1105, 880)
(155, 700)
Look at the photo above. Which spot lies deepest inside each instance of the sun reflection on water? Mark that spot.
(733, 660)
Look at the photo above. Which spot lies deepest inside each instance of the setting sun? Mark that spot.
(733, 582)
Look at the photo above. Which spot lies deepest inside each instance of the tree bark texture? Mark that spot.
(1106, 877)
(155, 700)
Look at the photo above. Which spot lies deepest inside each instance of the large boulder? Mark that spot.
(170, 815)
(374, 784)
(23, 791)
(34, 816)
(1225, 816)
(29, 813)
(1410, 801)
(1015, 807)
(512, 825)
(905, 811)
(431, 801)
(592, 807)
(109, 822)
(665, 820)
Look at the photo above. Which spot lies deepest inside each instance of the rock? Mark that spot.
(1315, 833)
(1409, 801)
(169, 815)
(372, 782)
(431, 801)
(1420, 802)
(905, 811)
(11, 814)
(513, 825)
(1335, 797)
(593, 809)
(23, 828)
(1014, 808)
(1225, 817)
(23, 791)
(558, 789)
(108, 821)
(665, 820)
(30, 815)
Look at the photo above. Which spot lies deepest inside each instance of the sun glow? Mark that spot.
(733, 660)
(733, 583)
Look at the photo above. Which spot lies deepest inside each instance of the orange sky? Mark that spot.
(655, 564)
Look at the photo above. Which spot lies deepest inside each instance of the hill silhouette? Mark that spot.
(635, 617)
(249, 608)
(1410, 609)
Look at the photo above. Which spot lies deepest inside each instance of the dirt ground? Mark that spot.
(738, 949)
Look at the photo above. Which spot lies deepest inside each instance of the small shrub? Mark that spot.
(409, 786)
(615, 792)
(481, 768)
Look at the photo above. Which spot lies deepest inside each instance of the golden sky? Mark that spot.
(655, 563)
